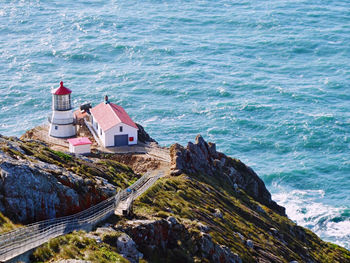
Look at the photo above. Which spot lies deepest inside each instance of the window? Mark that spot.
(131, 139)
(100, 131)
(56, 127)
(121, 128)
(62, 102)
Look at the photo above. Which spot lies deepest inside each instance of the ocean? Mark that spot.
(268, 81)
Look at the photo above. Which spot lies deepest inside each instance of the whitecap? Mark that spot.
(153, 119)
(306, 208)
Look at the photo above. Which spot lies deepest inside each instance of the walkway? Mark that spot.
(125, 204)
(21, 240)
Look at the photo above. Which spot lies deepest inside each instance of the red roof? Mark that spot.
(79, 141)
(61, 90)
(109, 114)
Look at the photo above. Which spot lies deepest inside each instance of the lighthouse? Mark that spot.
(62, 123)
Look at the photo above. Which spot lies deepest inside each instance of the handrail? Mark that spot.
(92, 131)
(23, 239)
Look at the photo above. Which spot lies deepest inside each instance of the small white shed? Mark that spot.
(81, 145)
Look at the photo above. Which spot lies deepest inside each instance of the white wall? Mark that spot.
(80, 149)
(57, 128)
(108, 138)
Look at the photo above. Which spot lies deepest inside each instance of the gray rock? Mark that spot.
(160, 235)
(260, 209)
(102, 230)
(226, 253)
(168, 209)
(215, 252)
(218, 213)
(250, 243)
(206, 245)
(240, 236)
(202, 157)
(142, 135)
(33, 191)
(217, 164)
(127, 248)
(94, 235)
(172, 220)
(232, 171)
(203, 228)
(274, 231)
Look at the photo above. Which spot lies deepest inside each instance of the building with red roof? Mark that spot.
(113, 125)
(80, 145)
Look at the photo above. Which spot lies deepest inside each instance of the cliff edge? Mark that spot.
(202, 158)
(209, 208)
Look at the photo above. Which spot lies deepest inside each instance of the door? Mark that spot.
(120, 140)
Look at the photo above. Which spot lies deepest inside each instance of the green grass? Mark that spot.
(61, 155)
(116, 173)
(6, 225)
(196, 198)
(76, 246)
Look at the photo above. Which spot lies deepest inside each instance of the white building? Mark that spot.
(113, 125)
(81, 145)
(61, 121)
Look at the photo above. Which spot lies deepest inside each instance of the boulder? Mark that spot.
(250, 243)
(218, 213)
(127, 248)
(215, 252)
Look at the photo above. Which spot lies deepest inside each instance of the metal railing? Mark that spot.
(92, 131)
(21, 240)
(137, 190)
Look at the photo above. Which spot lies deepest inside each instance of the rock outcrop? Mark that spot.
(164, 235)
(32, 190)
(142, 135)
(202, 158)
(127, 248)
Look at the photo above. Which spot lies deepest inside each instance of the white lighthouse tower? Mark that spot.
(62, 123)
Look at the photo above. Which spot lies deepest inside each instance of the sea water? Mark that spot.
(268, 81)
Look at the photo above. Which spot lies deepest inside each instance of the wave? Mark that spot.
(307, 209)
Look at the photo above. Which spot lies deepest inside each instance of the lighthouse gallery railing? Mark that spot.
(21, 240)
(65, 121)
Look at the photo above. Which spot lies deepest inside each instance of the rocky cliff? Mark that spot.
(211, 208)
(202, 158)
(37, 183)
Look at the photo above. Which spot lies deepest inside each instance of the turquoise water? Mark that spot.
(268, 81)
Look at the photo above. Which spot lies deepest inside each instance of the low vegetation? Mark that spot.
(114, 172)
(76, 246)
(6, 225)
(233, 217)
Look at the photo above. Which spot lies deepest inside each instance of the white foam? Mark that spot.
(306, 209)
(153, 119)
